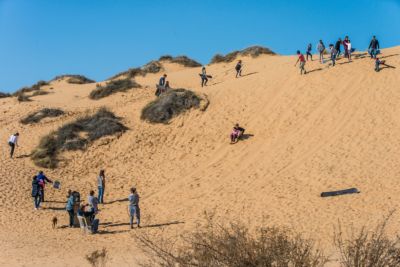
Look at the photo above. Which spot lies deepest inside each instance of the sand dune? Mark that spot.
(331, 129)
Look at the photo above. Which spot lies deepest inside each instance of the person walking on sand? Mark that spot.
(42, 179)
(238, 68)
(133, 207)
(101, 184)
(308, 52)
(13, 142)
(36, 192)
(333, 54)
(373, 47)
(349, 48)
(321, 50)
(337, 47)
(346, 47)
(70, 208)
(302, 61)
(204, 78)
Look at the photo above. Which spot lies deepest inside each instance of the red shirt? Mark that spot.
(301, 57)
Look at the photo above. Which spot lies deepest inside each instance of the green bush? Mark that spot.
(37, 116)
(113, 87)
(69, 136)
(169, 105)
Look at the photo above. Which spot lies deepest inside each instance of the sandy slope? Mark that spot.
(331, 129)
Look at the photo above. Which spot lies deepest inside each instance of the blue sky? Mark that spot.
(97, 38)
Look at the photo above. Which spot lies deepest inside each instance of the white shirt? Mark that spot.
(13, 139)
(349, 46)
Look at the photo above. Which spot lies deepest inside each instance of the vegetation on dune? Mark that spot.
(98, 258)
(182, 60)
(22, 97)
(76, 136)
(113, 87)
(232, 245)
(37, 116)
(169, 105)
(74, 78)
(253, 51)
(4, 95)
(35, 87)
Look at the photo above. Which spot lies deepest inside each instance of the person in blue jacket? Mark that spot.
(36, 192)
(42, 179)
(373, 47)
(70, 208)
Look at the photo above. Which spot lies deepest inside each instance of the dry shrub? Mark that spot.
(4, 95)
(113, 87)
(98, 258)
(40, 92)
(185, 61)
(130, 73)
(76, 136)
(152, 67)
(74, 78)
(365, 248)
(169, 105)
(232, 245)
(35, 87)
(37, 116)
(21, 97)
(253, 51)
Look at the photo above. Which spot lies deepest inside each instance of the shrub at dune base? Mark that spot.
(37, 116)
(35, 87)
(113, 87)
(253, 51)
(169, 105)
(232, 245)
(76, 136)
(21, 97)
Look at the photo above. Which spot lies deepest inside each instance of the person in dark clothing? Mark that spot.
(346, 47)
(308, 52)
(42, 179)
(204, 78)
(333, 54)
(36, 192)
(337, 47)
(238, 68)
(237, 133)
(162, 80)
(373, 47)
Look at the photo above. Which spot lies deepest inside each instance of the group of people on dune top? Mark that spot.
(335, 52)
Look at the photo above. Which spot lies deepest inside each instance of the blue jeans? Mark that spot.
(134, 210)
(373, 52)
(36, 201)
(101, 194)
(333, 58)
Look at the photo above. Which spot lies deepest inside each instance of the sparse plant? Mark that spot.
(22, 97)
(35, 87)
(169, 105)
(365, 248)
(253, 51)
(37, 116)
(40, 92)
(98, 258)
(232, 245)
(4, 95)
(113, 87)
(74, 78)
(76, 136)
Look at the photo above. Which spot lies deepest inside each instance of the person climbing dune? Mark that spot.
(302, 61)
(238, 68)
(204, 78)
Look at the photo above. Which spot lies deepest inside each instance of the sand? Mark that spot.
(333, 128)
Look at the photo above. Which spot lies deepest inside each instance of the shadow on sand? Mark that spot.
(23, 156)
(390, 56)
(117, 200)
(143, 226)
(314, 70)
(248, 74)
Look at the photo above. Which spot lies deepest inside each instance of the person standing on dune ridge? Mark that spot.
(337, 47)
(308, 52)
(302, 61)
(321, 51)
(238, 68)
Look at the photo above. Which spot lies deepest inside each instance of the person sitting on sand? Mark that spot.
(13, 142)
(42, 179)
(302, 61)
(373, 47)
(237, 133)
(70, 208)
(133, 207)
(238, 68)
(36, 192)
(204, 78)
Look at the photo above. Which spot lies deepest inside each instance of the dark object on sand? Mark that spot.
(208, 76)
(340, 192)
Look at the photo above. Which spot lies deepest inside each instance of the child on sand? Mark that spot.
(133, 207)
(238, 68)
(237, 132)
(378, 62)
(42, 179)
(13, 142)
(308, 52)
(321, 50)
(302, 61)
(36, 192)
